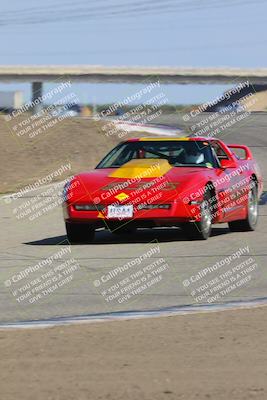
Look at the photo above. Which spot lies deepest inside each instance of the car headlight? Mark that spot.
(88, 207)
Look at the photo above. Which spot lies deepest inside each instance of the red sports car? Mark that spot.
(149, 182)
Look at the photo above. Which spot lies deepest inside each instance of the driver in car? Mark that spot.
(194, 156)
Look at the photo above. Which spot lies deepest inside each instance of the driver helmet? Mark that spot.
(194, 156)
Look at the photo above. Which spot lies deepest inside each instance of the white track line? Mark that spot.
(109, 317)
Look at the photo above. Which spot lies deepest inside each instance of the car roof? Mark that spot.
(173, 138)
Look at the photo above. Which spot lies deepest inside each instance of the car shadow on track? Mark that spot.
(161, 235)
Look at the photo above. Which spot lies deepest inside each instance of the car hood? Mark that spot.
(135, 173)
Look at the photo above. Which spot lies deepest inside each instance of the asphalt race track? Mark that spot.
(26, 243)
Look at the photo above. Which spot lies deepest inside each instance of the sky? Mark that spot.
(182, 33)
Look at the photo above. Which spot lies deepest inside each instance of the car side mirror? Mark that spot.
(227, 163)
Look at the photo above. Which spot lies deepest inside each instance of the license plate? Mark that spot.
(120, 211)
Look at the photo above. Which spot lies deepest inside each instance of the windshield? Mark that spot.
(178, 153)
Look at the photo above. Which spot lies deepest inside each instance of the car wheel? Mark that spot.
(250, 223)
(201, 230)
(79, 233)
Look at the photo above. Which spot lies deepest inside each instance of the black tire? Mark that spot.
(250, 223)
(201, 230)
(79, 233)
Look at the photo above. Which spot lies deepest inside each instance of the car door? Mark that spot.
(230, 185)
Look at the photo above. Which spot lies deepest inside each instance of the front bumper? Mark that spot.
(178, 213)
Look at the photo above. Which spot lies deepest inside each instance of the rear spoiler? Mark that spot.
(247, 151)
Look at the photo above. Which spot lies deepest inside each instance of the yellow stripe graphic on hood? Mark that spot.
(142, 168)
